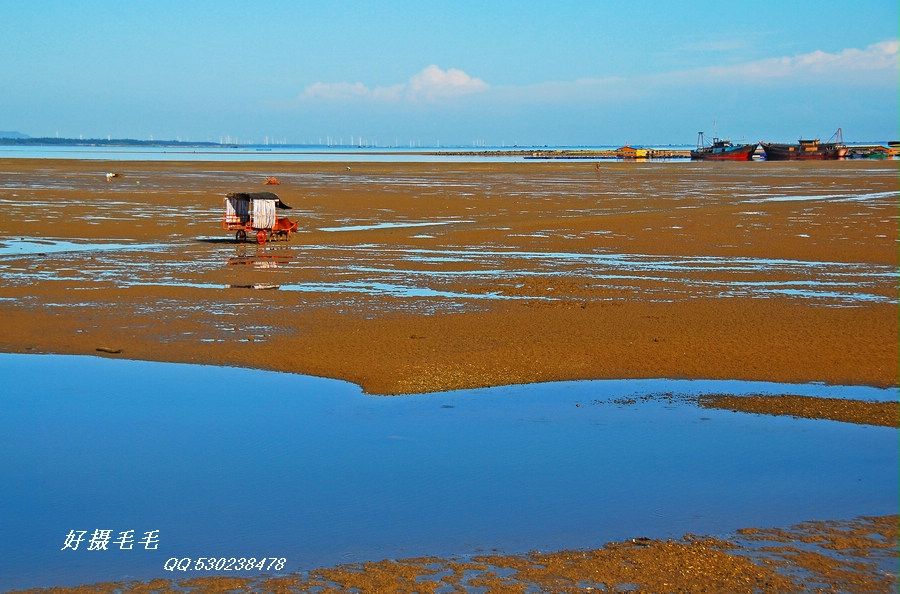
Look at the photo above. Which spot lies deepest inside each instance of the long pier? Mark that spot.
(856, 151)
(639, 154)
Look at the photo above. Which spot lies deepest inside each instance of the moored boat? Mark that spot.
(807, 149)
(722, 150)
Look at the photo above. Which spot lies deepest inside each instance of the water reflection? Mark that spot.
(261, 258)
(230, 462)
(31, 247)
(450, 278)
(393, 225)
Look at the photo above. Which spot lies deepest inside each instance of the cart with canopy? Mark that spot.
(257, 213)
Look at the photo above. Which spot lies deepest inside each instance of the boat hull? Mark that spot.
(737, 152)
(797, 152)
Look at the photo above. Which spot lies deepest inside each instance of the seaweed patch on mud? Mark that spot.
(861, 412)
(858, 555)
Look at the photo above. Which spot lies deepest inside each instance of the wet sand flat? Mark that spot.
(418, 277)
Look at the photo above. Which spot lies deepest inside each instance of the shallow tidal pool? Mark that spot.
(200, 461)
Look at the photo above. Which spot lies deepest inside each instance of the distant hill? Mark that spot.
(19, 139)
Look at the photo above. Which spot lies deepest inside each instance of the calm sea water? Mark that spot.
(293, 153)
(275, 153)
(224, 462)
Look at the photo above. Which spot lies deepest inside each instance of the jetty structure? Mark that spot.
(626, 152)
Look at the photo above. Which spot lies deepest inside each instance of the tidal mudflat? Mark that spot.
(421, 278)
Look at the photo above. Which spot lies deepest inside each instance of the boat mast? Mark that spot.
(838, 137)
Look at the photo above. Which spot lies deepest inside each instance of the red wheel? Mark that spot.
(260, 236)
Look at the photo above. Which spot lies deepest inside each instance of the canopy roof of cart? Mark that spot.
(259, 196)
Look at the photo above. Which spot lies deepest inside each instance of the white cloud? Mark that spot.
(392, 93)
(430, 84)
(879, 56)
(876, 62)
(876, 65)
(335, 91)
(433, 83)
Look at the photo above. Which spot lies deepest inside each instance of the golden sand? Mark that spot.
(545, 322)
(644, 327)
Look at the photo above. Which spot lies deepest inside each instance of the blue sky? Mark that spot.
(450, 73)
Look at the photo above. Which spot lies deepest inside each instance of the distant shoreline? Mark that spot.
(536, 151)
(108, 142)
(432, 150)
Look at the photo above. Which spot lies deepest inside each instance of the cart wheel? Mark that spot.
(260, 236)
(240, 236)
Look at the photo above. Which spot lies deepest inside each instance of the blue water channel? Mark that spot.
(225, 462)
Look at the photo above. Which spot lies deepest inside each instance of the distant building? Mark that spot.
(629, 152)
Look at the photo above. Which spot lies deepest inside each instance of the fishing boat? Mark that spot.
(722, 150)
(807, 149)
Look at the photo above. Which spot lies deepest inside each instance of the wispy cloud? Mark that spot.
(875, 65)
(877, 62)
(430, 84)
(335, 91)
(718, 45)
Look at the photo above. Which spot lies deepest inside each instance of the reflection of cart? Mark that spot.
(256, 212)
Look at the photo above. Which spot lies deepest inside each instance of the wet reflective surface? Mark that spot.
(449, 238)
(229, 462)
(446, 278)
